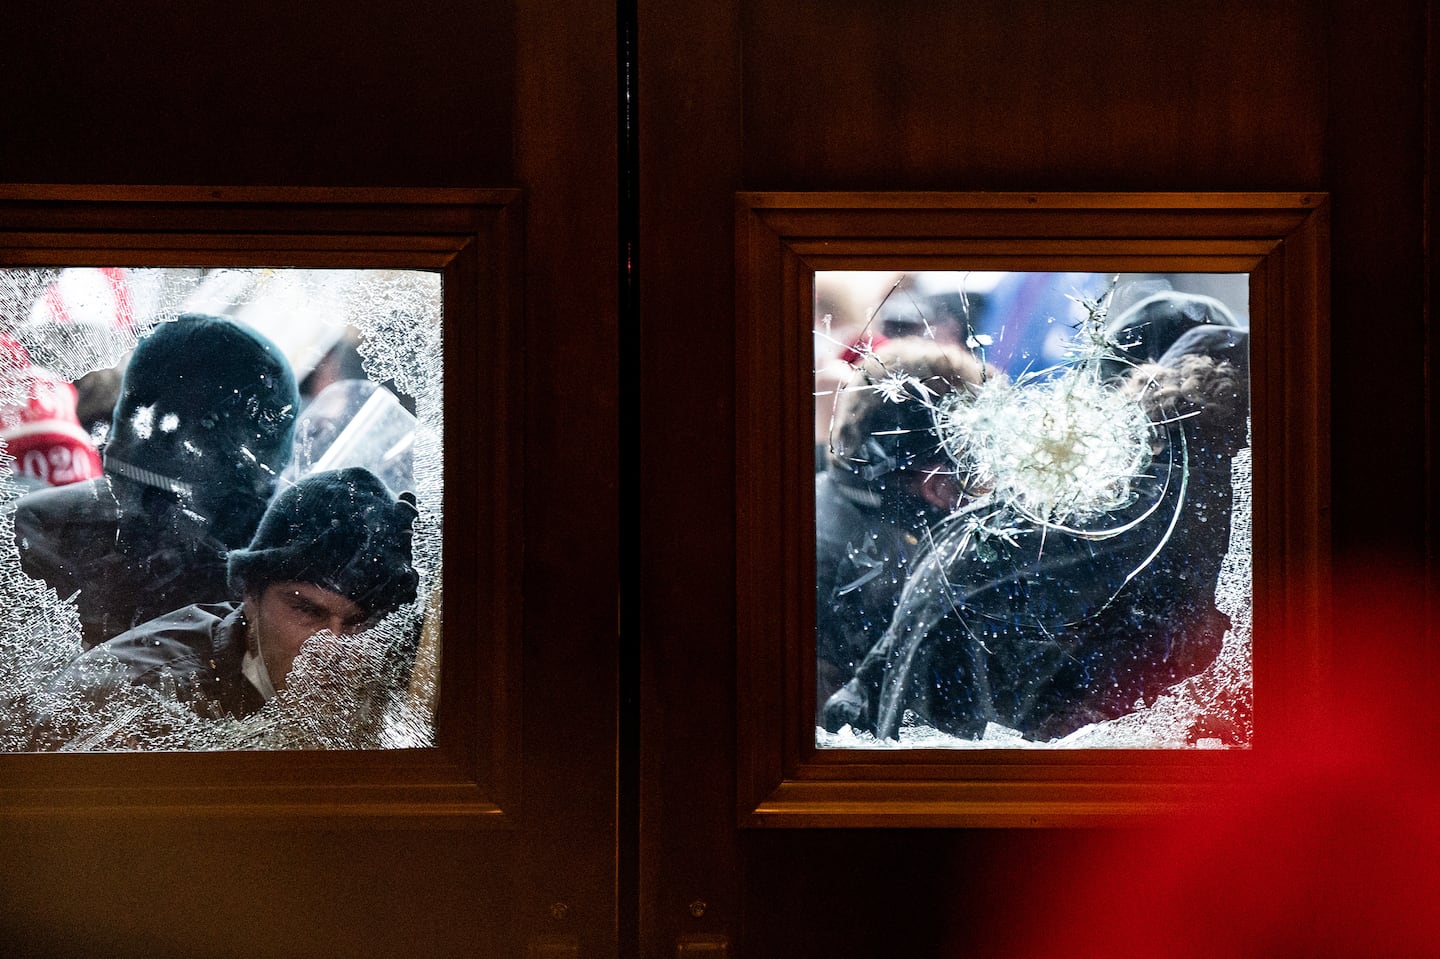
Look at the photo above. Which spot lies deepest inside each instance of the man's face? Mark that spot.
(286, 614)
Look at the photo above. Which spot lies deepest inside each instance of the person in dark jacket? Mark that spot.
(1047, 634)
(886, 481)
(331, 553)
(202, 429)
(1149, 329)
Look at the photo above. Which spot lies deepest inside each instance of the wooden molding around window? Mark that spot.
(472, 237)
(782, 239)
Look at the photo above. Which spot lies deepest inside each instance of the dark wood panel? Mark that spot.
(416, 94)
(1432, 343)
(690, 131)
(566, 160)
(1052, 95)
(161, 891)
(1375, 154)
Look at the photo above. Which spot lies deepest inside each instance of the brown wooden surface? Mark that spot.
(382, 98)
(801, 95)
(565, 156)
(1112, 95)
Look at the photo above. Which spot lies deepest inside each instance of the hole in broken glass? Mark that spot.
(221, 495)
(1032, 510)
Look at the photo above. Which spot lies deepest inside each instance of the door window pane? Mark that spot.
(1032, 509)
(222, 503)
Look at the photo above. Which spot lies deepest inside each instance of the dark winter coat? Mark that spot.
(1047, 636)
(123, 566)
(196, 652)
(866, 539)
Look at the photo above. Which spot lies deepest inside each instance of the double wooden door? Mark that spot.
(630, 129)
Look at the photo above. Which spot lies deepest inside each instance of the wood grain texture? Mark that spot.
(1049, 95)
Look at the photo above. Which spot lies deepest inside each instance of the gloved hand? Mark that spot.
(850, 706)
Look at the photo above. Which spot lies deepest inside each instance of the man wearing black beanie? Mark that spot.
(331, 553)
(202, 429)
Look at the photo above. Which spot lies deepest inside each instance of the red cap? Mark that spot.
(38, 421)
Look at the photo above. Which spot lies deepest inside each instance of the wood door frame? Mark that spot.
(1281, 240)
(472, 237)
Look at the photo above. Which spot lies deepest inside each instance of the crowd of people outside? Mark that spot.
(209, 503)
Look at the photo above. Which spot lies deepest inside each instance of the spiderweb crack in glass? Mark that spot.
(1070, 449)
(1063, 451)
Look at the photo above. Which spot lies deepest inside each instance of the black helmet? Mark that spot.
(206, 411)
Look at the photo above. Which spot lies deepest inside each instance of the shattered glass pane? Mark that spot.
(220, 508)
(1032, 510)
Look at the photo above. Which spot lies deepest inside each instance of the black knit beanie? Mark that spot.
(342, 530)
(206, 410)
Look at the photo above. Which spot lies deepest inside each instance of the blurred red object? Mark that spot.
(1333, 848)
(861, 347)
(95, 295)
(38, 421)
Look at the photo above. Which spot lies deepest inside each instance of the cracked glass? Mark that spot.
(1032, 496)
(220, 508)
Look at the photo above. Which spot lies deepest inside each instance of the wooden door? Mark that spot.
(383, 95)
(628, 840)
(1113, 96)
